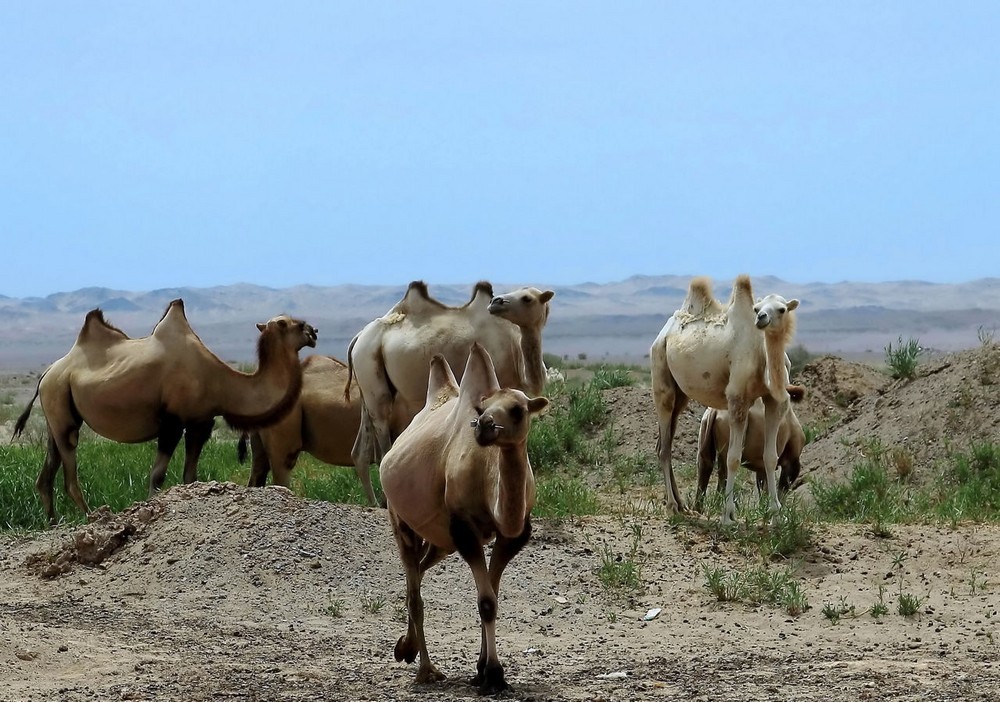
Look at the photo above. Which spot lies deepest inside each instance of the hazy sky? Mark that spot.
(159, 144)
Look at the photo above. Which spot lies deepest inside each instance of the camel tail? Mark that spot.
(796, 393)
(350, 369)
(22, 421)
(241, 447)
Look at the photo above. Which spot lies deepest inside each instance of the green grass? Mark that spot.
(560, 497)
(117, 475)
(902, 360)
(757, 584)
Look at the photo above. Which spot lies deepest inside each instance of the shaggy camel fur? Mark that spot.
(323, 423)
(159, 387)
(390, 356)
(451, 487)
(713, 444)
(726, 358)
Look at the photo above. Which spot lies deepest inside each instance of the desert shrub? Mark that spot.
(869, 495)
(969, 486)
(902, 360)
(756, 585)
(559, 436)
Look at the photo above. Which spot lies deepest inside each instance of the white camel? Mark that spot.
(723, 357)
(455, 487)
(390, 356)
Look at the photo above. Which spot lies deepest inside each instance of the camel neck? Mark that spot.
(777, 373)
(534, 366)
(511, 507)
(265, 396)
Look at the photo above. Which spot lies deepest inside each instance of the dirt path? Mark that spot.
(225, 593)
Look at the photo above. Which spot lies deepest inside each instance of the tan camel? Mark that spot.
(713, 444)
(723, 357)
(390, 356)
(323, 423)
(454, 487)
(159, 387)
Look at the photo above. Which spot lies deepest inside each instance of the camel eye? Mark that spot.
(526, 299)
(517, 414)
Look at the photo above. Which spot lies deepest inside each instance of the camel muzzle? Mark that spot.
(497, 304)
(763, 320)
(487, 431)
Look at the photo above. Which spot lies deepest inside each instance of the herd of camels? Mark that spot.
(442, 398)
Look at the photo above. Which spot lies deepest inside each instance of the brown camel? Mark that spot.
(454, 487)
(159, 387)
(323, 422)
(713, 444)
(724, 357)
(390, 356)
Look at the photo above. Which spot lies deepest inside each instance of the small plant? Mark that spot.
(794, 599)
(399, 613)
(372, 603)
(879, 608)
(985, 336)
(607, 377)
(561, 497)
(725, 587)
(977, 582)
(335, 609)
(621, 573)
(902, 360)
(908, 604)
(834, 612)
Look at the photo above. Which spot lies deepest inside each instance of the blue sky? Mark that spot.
(159, 144)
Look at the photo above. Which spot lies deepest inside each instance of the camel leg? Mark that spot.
(170, 435)
(504, 550)
(707, 457)
(260, 463)
(46, 479)
(738, 413)
(774, 413)
(195, 438)
(417, 555)
(67, 451)
(670, 402)
(490, 677)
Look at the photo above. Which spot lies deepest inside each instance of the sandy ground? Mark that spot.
(218, 592)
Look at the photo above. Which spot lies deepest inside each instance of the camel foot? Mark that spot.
(429, 674)
(490, 680)
(405, 650)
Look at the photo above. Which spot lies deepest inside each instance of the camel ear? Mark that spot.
(546, 296)
(791, 305)
(261, 327)
(537, 404)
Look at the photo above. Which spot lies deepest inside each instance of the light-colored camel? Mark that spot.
(390, 356)
(713, 444)
(323, 422)
(454, 487)
(159, 387)
(723, 357)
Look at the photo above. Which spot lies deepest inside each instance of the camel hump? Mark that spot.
(479, 379)
(97, 328)
(441, 383)
(482, 288)
(700, 302)
(742, 289)
(174, 320)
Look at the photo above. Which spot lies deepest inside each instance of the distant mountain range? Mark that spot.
(612, 320)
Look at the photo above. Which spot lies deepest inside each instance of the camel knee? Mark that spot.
(487, 608)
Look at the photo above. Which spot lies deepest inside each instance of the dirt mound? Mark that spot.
(833, 385)
(953, 402)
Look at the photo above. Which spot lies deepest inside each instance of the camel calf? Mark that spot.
(713, 444)
(455, 479)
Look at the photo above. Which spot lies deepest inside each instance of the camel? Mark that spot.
(389, 357)
(159, 387)
(451, 487)
(724, 357)
(713, 443)
(323, 422)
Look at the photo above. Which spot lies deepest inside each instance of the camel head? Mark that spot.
(504, 417)
(773, 312)
(293, 333)
(527, 307)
